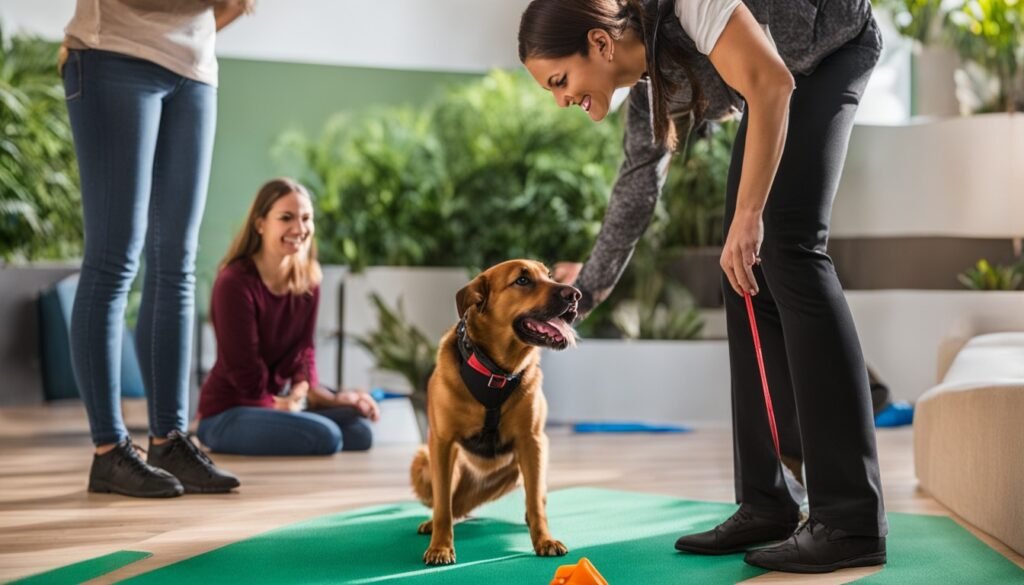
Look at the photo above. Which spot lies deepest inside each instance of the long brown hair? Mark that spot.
(305, 273)
(552, 29)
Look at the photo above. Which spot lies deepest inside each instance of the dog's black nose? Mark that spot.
(570, 294)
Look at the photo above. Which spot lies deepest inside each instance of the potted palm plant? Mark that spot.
(402, 348)
(690, 225)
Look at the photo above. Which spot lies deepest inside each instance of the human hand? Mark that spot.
(62, 58)
(287, 404)
(740, 252)
(566, 272)
(299, 390)
(361, 401)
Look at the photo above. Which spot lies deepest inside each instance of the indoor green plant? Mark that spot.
(398, 346)
(934, 62)
(487, 171)
(656, 307)
(920, 20)
(985, 276)
(988, 36)
(690, 224)
(991, 34)
(40, 204)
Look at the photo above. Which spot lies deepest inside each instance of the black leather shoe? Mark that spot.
(816, 548)
(741, 531)
(122, 471)
(187, 462)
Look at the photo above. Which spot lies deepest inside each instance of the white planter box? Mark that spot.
(949, 177)
(638, 381)
(397, 424)
(934, 79)
(428, 296)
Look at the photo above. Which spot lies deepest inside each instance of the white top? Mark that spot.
(704, 20)
(178, 35)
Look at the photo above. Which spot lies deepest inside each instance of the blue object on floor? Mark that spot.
(379, 394)
(627, 427)
(897, 414)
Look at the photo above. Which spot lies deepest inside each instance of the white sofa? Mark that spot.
(969, 434)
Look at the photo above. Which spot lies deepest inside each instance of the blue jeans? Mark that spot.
(144, 140)
(251, 430)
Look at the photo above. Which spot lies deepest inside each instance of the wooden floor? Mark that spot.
(47, 519)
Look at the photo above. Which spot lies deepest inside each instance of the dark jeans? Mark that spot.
(144, 139)
(251, 430)
(812, 355)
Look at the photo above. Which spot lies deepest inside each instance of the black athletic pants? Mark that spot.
(814, 363)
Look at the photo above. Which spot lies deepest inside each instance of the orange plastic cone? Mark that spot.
(582, 573)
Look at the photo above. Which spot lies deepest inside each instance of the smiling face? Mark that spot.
(587, 81)
(287, 229)
(518, 302)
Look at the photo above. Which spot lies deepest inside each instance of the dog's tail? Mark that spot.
(419, 473)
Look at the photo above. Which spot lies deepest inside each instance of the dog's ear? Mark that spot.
(474, 293)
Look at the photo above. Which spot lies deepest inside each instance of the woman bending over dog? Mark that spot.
(797, 70)
(263, 310)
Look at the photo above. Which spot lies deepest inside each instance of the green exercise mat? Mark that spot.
(935, 549)
(628, 536)
(85, 570)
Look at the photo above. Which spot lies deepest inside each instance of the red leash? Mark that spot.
(764, 378)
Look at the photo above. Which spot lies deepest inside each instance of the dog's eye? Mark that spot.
(522, 281)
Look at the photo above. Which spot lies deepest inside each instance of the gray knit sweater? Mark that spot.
(804, 32)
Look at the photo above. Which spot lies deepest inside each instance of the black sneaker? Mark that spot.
(741, 531)
(181, 457)
(816, 548)
(122, 471)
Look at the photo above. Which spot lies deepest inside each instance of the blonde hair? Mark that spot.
(304, 273)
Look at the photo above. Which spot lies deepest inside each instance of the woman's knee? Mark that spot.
(358, 435)
(326, 439)
(793, 252)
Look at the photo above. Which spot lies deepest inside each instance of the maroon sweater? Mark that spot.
(263, 341)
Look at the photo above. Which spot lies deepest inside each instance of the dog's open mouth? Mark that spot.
(554, 332)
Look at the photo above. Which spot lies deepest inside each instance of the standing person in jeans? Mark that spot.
(797, 68)
(263, 309)
(140, 79)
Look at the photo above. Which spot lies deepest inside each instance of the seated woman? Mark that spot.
(263, 309)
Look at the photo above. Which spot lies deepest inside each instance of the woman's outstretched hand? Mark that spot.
(741, 250)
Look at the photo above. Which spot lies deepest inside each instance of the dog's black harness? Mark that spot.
(489, 384)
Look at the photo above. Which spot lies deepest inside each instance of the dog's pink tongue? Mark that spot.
(557, 327)
(548, 328)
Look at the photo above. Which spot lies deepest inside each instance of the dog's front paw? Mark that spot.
(426, 527)
(550, 547)
(440, 555)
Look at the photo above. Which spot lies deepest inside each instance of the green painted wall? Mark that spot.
(257, 101)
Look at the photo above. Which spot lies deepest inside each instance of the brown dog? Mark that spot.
(485, 404)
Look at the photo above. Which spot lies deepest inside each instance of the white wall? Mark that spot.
(952, 177)
(435, 35)
(901, 331)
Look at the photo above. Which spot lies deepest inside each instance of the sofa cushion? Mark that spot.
(969, 437)
(994, 357)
